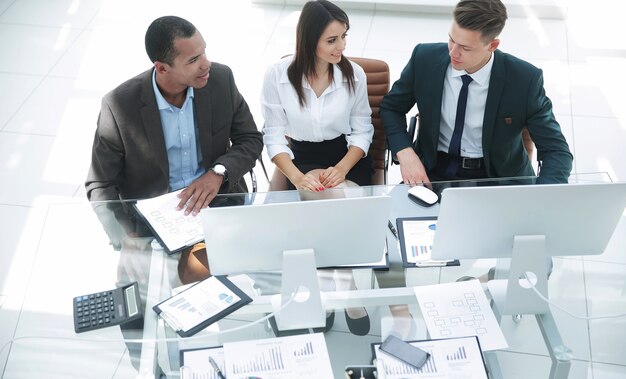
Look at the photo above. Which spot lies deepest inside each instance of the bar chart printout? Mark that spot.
(196, 365)
(301, 356)
(454, 358)
(268, 360)
(418, 238)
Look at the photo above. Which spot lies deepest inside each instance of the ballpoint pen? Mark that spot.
(393, 229)
(216, 368)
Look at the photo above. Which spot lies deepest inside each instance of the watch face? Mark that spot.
(219, 169)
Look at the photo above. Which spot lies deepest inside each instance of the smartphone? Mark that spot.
(404, 351)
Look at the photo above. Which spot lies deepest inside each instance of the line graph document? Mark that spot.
(300, 356)
(460, 309)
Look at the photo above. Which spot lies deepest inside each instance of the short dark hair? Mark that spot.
(161, 34)
(485, 16)
(314, 18)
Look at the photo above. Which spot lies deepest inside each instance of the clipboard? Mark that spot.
(175, 231)
(201, 305)
(447, 355)
(169, 250)
(416, 253)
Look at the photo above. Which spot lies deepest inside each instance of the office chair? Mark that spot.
(253, 179)
(377, 73)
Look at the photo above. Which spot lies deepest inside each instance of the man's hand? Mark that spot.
(200, 193)
(411, 167)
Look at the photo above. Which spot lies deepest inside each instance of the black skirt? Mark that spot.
(314, 155)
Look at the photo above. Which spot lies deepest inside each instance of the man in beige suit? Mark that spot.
(181, 124)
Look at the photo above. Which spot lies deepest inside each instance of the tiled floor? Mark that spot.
(61, 56)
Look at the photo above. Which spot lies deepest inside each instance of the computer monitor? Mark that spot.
(480, 222)
(296, 237)
(527, 223)
(252, 238)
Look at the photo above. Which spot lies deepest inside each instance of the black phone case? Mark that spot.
(404, 351)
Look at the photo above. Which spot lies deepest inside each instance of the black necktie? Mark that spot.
(455, 142)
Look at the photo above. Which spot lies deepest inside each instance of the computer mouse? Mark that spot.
(423, 196)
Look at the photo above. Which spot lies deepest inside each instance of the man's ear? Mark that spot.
(493, 45)
(161, 67)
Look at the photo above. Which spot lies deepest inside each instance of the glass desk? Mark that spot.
(76, 257)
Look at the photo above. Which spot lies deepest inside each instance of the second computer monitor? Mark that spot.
(481, 222)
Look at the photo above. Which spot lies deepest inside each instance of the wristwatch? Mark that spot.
(219, 170)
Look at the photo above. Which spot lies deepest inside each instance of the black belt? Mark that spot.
(464, 162)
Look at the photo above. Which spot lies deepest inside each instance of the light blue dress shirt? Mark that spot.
(183, 149)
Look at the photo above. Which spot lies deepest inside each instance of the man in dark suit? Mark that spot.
(481, 138)
(181, 124)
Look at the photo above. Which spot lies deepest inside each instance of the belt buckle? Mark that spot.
(465, 163)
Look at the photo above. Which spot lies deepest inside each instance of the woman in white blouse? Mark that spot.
(318, 125)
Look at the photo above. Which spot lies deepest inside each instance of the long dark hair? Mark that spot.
(315, 17)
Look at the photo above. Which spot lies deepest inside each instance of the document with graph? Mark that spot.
(301, 356)
(452, 358)
(460, 309)
(415, 237)
(196, 363)
(201, 305)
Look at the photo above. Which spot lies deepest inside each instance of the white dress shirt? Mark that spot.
(337, 111)
(471, 140)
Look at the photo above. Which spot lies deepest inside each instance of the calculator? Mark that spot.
(101, 309)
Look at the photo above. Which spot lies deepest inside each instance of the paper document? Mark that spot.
(415, 237)
(201, 304)
(300, 356)
(202, 301)
(418, 239)
(173, 228)
(455, 358)
(195, 363)
(460, 309)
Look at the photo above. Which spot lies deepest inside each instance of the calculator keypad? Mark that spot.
(98, 310)
(95, 310)
(107, 308)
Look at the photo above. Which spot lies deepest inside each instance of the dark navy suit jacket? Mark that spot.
(516, 99)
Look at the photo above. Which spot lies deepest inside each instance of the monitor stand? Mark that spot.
(515, 296)
(306, 309)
